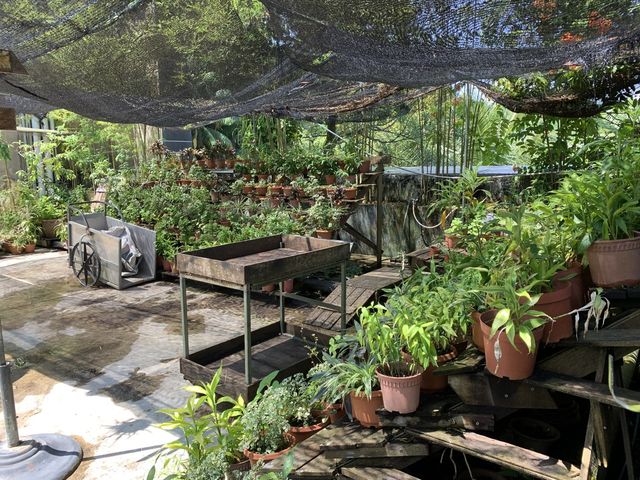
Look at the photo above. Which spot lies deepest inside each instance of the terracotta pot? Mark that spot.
(11, 248)
(224, 222)
(514, 364)
(184, 182)
(230, 163)
(615, 263)
(555, 303)
(294, 202)
(247, 178)
(335, 412)
(29, 248)
(276, 190)
(267, 457)
(351, 179)
(364, 409)
(275, 201)
(287, 191)
(574, 277)
(215, 196)
(365, 166)
(219, 163)
(476, 331)
(330, 179)
(400, 394)
(243, 466)
(451, 241)
(167, 266)
(263, 176)
(350, 193)
(268, 288)
(435, 383)
(324, 234)
(49, 227)
(302, 433)
(288, 285)
(209, 163)
(261, 190)
(534, 434)
(247, 189)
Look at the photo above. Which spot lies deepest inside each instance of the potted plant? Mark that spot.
(332, 403)
(399, 380)
(300, 409)
(265, 429)
(351, 372)
(261, 188)
(237, 187)
(49, 215)
(324, 217)
(211, 438)
(512, 329)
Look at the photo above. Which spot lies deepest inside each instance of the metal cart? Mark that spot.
(96, 255)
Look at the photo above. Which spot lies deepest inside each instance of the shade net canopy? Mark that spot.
(178, 62)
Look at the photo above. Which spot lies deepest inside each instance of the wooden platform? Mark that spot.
(360, 290)
(327, 453)
(505, 454)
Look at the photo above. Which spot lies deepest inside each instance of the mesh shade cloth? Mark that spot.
(177, 62)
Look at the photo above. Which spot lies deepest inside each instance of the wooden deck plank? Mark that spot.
(510, 456)
(365, 473)
(607, 338)
(354, 436)
(390, 450)
(582, 388)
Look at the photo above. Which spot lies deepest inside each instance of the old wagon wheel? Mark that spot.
(85, 262)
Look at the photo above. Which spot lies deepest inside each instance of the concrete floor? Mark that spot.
(97, 363)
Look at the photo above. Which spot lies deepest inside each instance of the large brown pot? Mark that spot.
(49, 227)
(614, 263)
(324, 234)
(574, 277)
(364, 409)
(555, 303)
(254, 457)
(476, 331)
(514, 364)
(400, 394)
(435, 383)
(11, 248)
(302, 433)
(30, 248)
(350, 193)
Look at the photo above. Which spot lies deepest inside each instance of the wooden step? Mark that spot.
(606, 338)
(360, 291)
(577, 387)
(505, 454)
(375, 473)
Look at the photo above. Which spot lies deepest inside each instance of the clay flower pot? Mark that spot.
(574, 276)
(514, 364)
(270, 287)
(435, 383)
(219, 163)
(335, 411)
(365, 166)
(288, 285)
(287, 191)
(261, 190)
(254, 457)
(350, 193)
(451, 241)
(476, 331)
(615, 263)
(247, 189)
(324, 234)
(49, 227)
(400, 394)
(364, 409)
(11, 248)
(276, 190)
(29, 248)
(209, 162)
(230, 163)
(302, 433)
(555, 303)
(330, 179)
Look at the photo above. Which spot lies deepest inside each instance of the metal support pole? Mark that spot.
(282, 324)
(183, 315)
(379, 214)
(247, 335)
(343, 296)
(8, 403)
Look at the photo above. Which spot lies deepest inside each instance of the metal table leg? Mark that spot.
(183, 314)
(247, 334)
(343, 296)
(282, 327)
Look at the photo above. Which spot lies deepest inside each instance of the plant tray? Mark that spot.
(263, 260)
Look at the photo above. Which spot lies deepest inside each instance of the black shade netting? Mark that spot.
(177, 62)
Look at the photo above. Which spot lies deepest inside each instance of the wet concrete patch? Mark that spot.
(135, 388)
